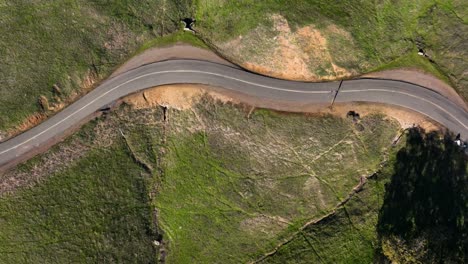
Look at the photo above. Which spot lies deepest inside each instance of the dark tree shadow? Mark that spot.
(427, 197)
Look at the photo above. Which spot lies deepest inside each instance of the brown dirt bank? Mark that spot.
(184, 97)
(177, 51)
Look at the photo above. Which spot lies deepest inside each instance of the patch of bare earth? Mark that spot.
(304, 54)
(423, 79)
(180, 96)
(268, 225)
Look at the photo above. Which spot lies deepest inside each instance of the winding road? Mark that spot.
(407, 95)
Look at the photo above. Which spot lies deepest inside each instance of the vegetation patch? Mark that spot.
(94, 211)
(234, 187)
(347, 236)
(170, 39)
(423, 217)
(222, 185)
(410, 212)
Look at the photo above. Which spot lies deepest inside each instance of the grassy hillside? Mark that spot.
(222, 185)
(348, 236)
(413, 211)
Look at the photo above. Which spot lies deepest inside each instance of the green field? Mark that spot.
(224, 186)
(94, 211)
(216, 183)
(237, 187)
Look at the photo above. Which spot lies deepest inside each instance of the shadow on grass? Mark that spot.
(427, 197)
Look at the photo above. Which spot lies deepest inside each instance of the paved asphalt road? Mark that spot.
(403, 94)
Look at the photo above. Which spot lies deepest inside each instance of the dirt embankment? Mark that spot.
(177, 51)
(185, 96)
(180, 96)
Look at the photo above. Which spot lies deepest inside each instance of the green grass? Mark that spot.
(180, 36)
(64, 42)
(349, 236)
(414, 60)
(94, 211)
(225, 187)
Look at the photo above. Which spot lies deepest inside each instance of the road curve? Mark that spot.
(411, 96)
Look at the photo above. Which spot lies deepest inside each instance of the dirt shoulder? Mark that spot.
(177, 51)
(423, 79)
(185, 96)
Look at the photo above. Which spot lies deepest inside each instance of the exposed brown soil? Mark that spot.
(185, 96)
(180, 96)
(304, 54)
(417, 77)
(29, 122)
